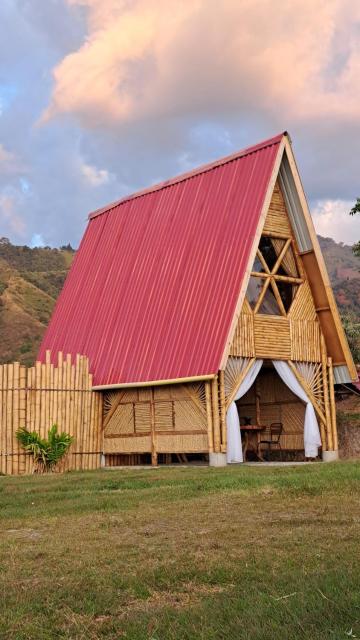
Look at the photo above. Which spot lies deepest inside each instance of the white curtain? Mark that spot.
(234, 448)
(312, 440)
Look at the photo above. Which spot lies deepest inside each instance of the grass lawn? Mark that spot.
(240, 552)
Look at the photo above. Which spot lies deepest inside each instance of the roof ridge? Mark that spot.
(190, 174)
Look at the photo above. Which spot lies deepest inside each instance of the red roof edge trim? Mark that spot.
(189, 174)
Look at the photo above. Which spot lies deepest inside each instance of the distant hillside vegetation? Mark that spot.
(344, 273)
(31, 280)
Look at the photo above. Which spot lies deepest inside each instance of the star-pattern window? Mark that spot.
(274, 278)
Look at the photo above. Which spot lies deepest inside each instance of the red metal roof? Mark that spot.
(153, 288)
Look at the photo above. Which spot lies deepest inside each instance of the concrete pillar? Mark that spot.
(330, 456)
(217, 460)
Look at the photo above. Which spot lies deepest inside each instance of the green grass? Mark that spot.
(241, 552)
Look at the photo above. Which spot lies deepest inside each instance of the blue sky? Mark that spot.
(99, 98)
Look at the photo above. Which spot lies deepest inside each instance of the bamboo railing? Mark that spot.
(43, 395)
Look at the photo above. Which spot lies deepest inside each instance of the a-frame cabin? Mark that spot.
(185, 294)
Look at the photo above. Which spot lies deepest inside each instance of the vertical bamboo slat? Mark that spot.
(222, 410)
(332, 405)
(209, 416)
(153, 433)
(326, 395)
(2, 448)
(15, 419)
(22, 412)
(257, 401)
(9, 419)
(215, 412)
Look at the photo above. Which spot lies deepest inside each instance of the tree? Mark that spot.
(352, 329)
(355, 210)
(46, 453)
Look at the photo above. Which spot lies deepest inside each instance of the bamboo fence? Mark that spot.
(43, 395)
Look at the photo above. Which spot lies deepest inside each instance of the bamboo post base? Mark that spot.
(217, 459)
(330, 456)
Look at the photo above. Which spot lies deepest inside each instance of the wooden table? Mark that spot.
(252, 437)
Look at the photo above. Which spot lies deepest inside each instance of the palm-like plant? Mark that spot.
(46, 453)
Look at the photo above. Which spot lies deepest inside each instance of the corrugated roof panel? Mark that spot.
(154, 286)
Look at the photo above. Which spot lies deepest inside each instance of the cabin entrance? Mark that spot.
(269, 401)
(270, 407)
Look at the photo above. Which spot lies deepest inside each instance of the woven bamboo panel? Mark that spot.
(142, 414)
(165, 392)
(277, 220)
(180, 407)
(292, 417)
(305, 340)
(243, 341)
(235, 367)
(272, 337)
(312, 375)
(135, 444)
(43, 395)
(164, 415)
(144, 395)
(303, 307)
(187, 415)
(121, 422)
(194, 443)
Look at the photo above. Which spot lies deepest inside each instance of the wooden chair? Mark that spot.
(273, 439)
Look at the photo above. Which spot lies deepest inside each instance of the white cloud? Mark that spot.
(95, 177)
(149, 58)
(331, 219)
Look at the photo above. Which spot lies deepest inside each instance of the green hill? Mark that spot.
(31, 280)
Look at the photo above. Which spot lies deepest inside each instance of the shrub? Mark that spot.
(46, 453)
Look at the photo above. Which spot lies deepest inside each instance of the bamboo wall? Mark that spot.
(43, 395)
(163, 419)
(290, 338)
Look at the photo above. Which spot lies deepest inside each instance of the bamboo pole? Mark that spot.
(100, 441)
(153, 434)
(330, 445)
(215, 412)
(4, 417)
(22, 411)
(9, 418)
(323, 435)
(2, 430)
(15, 423)
(333, 405)
(86, 425)
(222, 410)
(257, 401)
(209, 416)
(47, 390)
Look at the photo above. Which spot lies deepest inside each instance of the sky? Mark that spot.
(100, 98)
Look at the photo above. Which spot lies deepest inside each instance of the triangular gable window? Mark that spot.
(274, 279)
